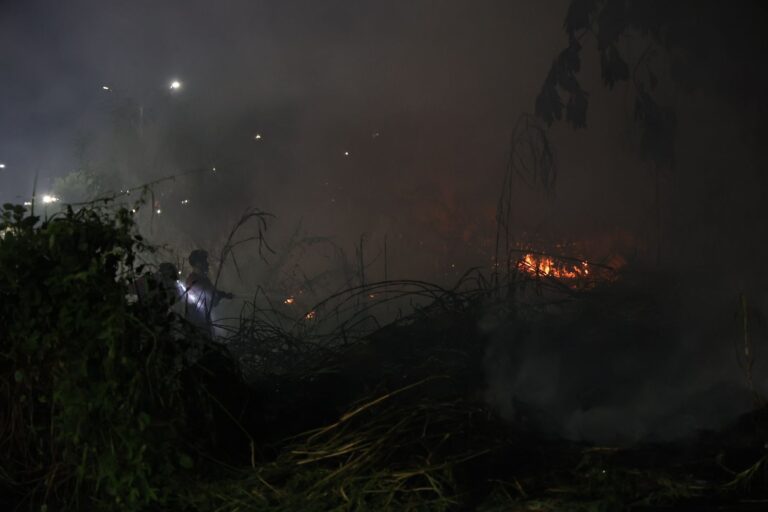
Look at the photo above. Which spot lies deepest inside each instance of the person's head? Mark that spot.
(168, 271)
(198, 260)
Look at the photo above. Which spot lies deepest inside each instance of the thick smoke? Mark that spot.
(357, 123)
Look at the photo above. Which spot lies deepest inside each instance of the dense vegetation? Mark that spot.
(93, 406)
(114, 404)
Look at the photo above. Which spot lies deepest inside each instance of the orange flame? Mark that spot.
(546, 266)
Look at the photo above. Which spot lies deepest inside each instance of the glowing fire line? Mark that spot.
(548, 266)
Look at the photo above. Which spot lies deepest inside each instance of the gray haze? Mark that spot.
(387, 120)
(422, 95)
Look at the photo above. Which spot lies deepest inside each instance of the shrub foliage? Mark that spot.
(90, 382)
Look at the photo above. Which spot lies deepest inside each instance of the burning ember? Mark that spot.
(538, 265)
(310, 316)
(289, 301)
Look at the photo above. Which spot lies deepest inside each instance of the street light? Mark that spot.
(2, 166)
(175, 85)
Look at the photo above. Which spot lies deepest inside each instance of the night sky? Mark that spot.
(373, 119)
(376, 118)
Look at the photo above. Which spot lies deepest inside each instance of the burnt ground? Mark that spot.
(401, 419)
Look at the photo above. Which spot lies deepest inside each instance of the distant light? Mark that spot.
(289, 301)
(159, 211)
(214, 169)
(185, 201)
(175, 85)
(27, 203)
(2, 166)
(375, 134)
(47, 199)
(346, 153)
(105, 87)
(257, 136)
(133, 210)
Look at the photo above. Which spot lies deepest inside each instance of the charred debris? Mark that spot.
(131, 408)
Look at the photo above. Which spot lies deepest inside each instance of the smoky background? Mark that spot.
(365, 122)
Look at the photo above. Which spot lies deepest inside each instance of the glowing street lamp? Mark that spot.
(48, 199)
(175, 85)
(2, 166)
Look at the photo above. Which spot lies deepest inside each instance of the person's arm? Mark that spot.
(218, 295)
(209, 291)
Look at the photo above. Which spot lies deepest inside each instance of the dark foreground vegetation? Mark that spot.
(108, 404)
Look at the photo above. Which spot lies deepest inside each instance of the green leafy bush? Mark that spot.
(91, 409)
